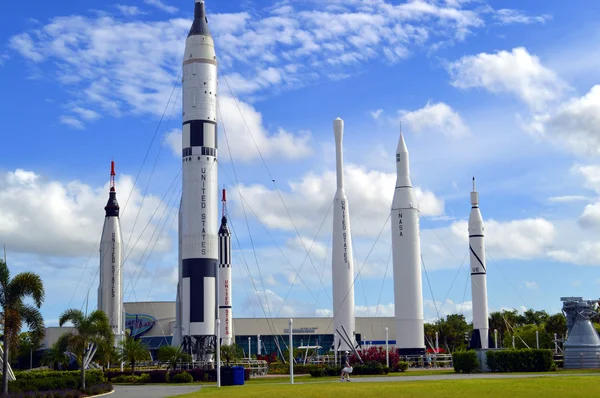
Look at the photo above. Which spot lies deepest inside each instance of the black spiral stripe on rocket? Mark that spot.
(478, 259)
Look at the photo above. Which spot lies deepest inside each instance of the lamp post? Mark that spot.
(513, 341)
(495, 338)
(555, 344)
(537, 339)
(291, 349)
(437, 343)
(387, 350)
(249, 352)
(122, 339)
(335, 337)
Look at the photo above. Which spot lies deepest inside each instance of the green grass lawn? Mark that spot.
(574, 386)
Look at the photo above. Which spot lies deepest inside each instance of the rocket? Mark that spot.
(406, 254)
(342, 260)
(110, 289)
(480, 337)
(225, 308)
(198, 218)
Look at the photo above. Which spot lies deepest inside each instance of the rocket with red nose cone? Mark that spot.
(110, 289)
(198, 212)
(225, 303)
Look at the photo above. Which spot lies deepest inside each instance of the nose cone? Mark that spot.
(112, 206)
(200, 24)
(338, 129)
(401, 145)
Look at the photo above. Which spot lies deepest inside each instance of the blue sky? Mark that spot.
(503, 90)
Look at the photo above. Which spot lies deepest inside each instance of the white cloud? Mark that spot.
(590, 216)
(310, 198)
(435, 118)
(162, 6)
(51, 218)
(86, 114)
(531, 285)
(517, 239)
(317, 249)
(576, 123)
(129, 10)
(277, 48)
(583, 253)
(449, 307)
(567, 198)
(71, 121)
(516, 72)
(508, 16)
(383, 310)
(590, 174)
(375, 114)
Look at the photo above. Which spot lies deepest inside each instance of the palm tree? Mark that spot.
(91, 329)
(231, 353)
(15, 312)
(134, 351)
(57, 354)
(172, 355)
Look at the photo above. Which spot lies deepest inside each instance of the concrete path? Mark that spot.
(151, 391)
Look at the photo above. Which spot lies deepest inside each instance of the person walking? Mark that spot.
(347, 369)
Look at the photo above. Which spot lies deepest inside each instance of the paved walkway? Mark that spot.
(151, 391)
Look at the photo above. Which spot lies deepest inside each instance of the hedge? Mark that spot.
(182, 378)
(67, 393)
(401, 366)
(48, 380)
(284, 368)
(465, 361)
(161, 375)
(525, 360)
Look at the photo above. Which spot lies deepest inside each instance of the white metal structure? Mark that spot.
(342, 260)
(198, 227)
(481, 327)
(406, 252)
(110, 288)
(225, 293)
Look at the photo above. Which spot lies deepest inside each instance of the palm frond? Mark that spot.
(35, 321)
(72, 315)
(27, 284)
(4, 276)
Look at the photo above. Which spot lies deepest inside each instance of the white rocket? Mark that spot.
(110, 289)
(406, 246)
(342, 261)
(480, 337)
(198, 212)
(225, 308)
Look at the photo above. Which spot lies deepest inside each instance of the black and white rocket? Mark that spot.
(406, 254)
(225, 307)
(480, 337)
(110, 289)
(198, 211)
(342, 260)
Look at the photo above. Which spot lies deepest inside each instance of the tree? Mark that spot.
(525, 336)
(107, 353)
(231, 353)
(91, 329)
(172, 355)
(556, 323)
(134, 351)
(57, 354)
(452, 331)
(15, 312)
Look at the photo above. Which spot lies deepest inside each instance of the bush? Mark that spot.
(94, 376)
(401, 366)
(284, 368)
(526, 360)
(143, 378)
(182, 378)
(98, 389)
(154, 376)
(465, 361)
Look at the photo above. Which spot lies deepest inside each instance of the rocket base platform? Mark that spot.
(410, 351)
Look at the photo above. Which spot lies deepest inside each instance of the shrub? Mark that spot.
(182, 378)
(465, 361)
(376, 354)
(401, 366)
(525, 360)
(97, 389)
(284, 368)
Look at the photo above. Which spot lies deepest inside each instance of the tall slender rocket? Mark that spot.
(406, 252)
(341, 251)
(199, 199)
(110, 289)
(480, 337)
(225, 307)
